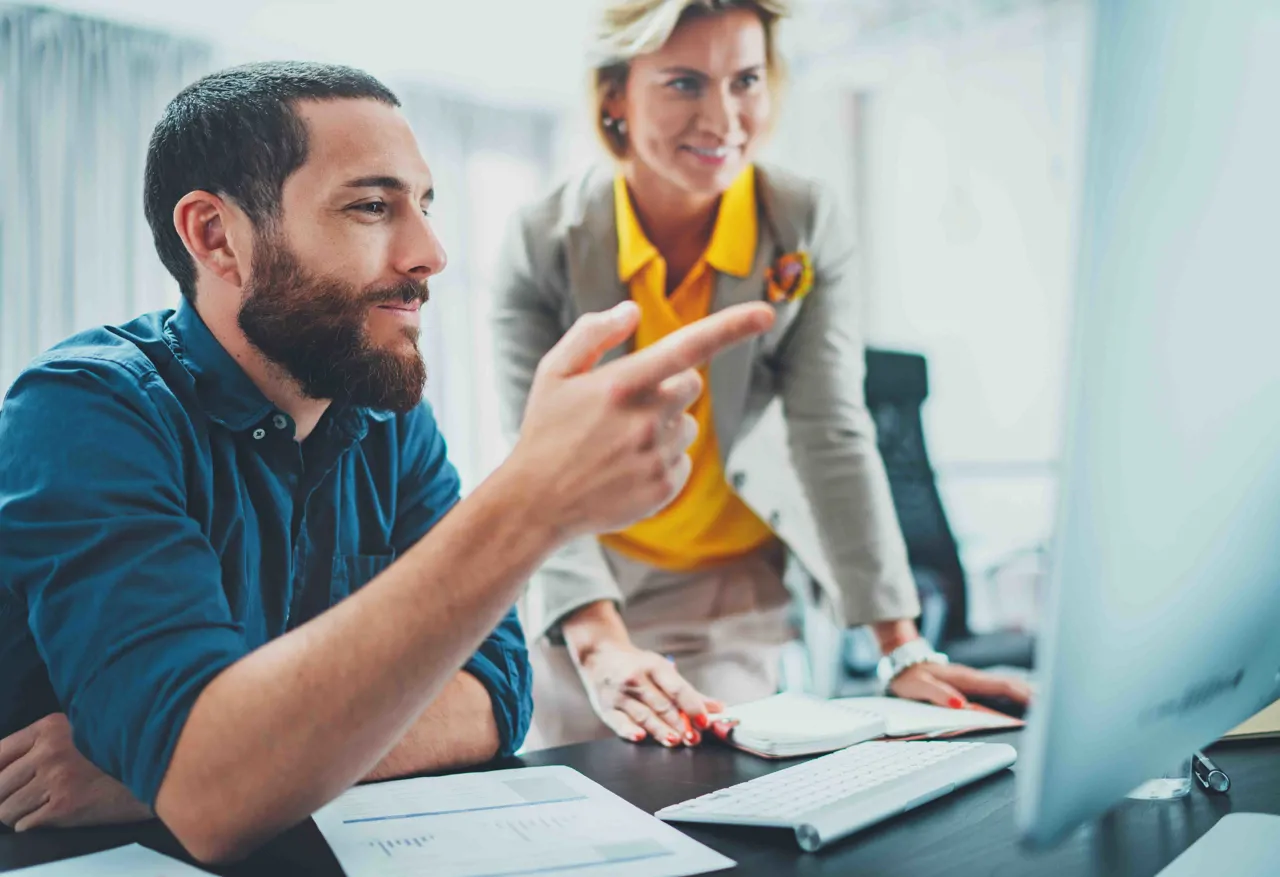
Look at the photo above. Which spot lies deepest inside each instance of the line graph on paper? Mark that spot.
(389, 845)
(530, 829)
(540, 840)
(526, 822)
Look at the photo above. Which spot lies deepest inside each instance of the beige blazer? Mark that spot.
(798, 387)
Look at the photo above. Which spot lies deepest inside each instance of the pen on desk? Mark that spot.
(1210, 777)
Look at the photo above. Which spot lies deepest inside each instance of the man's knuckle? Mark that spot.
(670, 482)
(644, 435)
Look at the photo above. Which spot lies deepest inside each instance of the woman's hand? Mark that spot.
(948, 684)
(943, 684)
(640, 694)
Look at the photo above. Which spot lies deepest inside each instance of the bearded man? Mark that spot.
(236, 575)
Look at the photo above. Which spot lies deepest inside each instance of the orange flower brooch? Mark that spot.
(790, 277)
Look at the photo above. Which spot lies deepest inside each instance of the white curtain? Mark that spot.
(486, 162)
(78, 100)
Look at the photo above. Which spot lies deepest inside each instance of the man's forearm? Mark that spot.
(457, 730)
(290, 726)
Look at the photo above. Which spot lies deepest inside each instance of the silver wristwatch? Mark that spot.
(916, 651)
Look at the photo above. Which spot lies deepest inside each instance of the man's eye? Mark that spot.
(373, 208)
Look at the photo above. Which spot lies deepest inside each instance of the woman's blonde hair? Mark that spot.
(629, 28)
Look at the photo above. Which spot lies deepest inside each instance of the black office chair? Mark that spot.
(896, 387)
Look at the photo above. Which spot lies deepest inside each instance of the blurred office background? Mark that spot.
(951, 130)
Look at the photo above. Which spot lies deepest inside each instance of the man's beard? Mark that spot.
(314, 329)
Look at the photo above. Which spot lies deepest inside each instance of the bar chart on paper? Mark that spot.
(541, 821)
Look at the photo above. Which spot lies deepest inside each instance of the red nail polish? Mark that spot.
(673, 739)
(702, 722)
(957, 703)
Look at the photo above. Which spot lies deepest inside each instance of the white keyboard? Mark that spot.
(831, 797)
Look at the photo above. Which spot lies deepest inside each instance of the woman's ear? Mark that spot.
(203, 221)
(615, 101)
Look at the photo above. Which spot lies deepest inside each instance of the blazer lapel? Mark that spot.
(730, 372)
(591, 255)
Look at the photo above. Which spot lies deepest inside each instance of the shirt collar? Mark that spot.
(732, 249)
(634, 249)
(225, 392)
(733, 241)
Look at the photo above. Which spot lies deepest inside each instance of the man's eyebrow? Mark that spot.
(394, 184)
(391, 184)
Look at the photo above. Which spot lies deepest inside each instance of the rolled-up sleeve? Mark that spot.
(501, 664)
(428, 487)
(122, 590)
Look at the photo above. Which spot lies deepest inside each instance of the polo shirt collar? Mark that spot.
(732, 249)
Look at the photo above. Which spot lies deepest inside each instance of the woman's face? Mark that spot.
(696, 108)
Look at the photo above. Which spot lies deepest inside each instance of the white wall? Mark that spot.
(500, 51)
(963, 163)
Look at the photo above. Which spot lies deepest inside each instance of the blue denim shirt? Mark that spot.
(158, 522)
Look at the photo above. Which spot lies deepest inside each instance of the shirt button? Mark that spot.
(280, 421)
(259, 433)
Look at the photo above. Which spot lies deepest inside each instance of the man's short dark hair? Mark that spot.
(236, 133)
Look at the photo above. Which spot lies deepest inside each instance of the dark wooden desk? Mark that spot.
(970, 832)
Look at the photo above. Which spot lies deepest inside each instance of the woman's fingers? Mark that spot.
(918, 683)
(687, 698)
(651, 694)
(622, 725)
(983, 684)
(646, 718)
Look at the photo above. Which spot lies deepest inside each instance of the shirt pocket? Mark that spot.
(351, 572)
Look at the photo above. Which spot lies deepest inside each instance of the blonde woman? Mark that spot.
(646, 633)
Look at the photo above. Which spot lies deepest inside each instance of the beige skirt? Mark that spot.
(724, 627)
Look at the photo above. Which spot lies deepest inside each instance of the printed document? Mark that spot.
(544, 821)
(131, 861)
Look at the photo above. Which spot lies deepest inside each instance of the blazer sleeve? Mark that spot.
(527, 306)
(831, 434)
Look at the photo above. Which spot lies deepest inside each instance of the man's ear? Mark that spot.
(207, 224)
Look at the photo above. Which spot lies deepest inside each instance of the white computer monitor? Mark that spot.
(1162, 628)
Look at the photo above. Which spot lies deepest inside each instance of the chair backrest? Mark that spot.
(896, 387)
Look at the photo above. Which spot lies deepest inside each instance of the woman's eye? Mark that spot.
(747, 80)
(685, 85)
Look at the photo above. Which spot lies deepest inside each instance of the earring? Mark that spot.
(616, 127)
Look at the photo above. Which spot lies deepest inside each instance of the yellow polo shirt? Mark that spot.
(707, 523)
